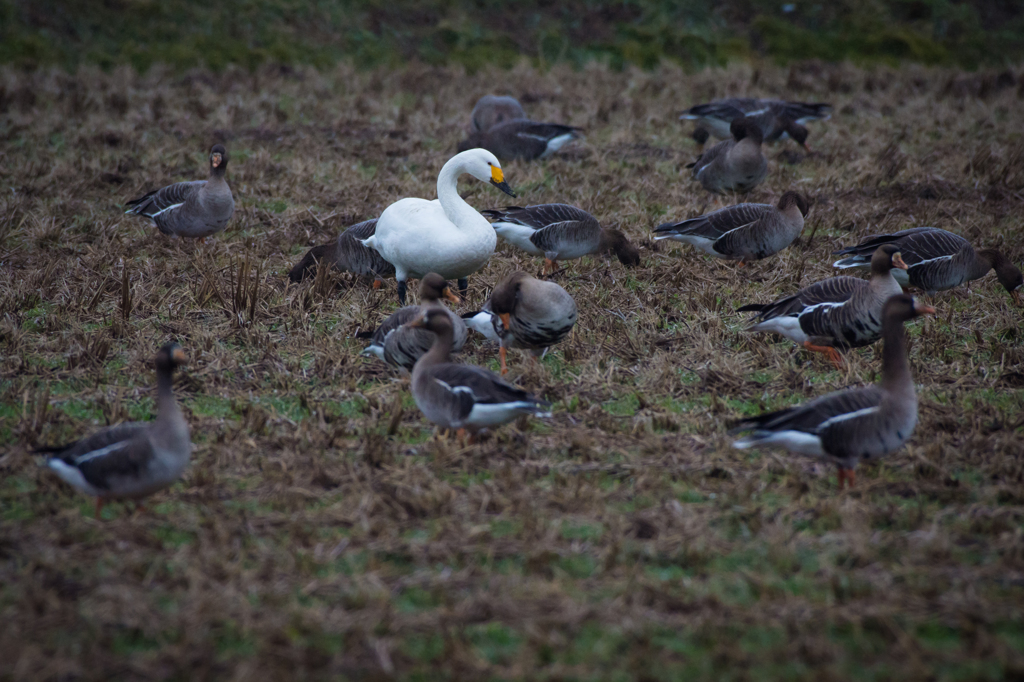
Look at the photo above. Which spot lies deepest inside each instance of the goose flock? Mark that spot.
(446, 240)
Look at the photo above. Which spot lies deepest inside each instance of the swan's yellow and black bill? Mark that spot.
(498, 180)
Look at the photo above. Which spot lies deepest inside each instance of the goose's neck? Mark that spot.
(982, 263)
(455, 207)
(895, 367)
(440, 351)
(166, 406)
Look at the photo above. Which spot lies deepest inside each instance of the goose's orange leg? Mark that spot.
(99, 506)
(846, 476)
(502, 352)
(377, 284)
(831, 352)
(550, 266)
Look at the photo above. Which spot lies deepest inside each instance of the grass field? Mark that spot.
(323, 530)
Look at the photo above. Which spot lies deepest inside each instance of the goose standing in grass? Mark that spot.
(736, 165)
(135, 459)
(522, 139)
(490, 110)
(937, 260)
(559, 232)
(464, 397)
(840, 312)
(347, 254)
(191, 209)
(402, 346)
(856, 423)
(446, 235)
(744, 232)
(777, 119)
(524, 312)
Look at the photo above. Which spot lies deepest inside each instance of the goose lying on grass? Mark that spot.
(856, 423)
(463, 397)
(559, 232)
(446, 235)
(490, 110)
(347, 254)
(936, 260)
(522, 139)
(191, 209)
(840, 312)
(524, 312)
(135, 459)
(744, 232)
(402, 346)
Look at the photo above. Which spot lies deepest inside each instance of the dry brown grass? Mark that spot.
(324, 531)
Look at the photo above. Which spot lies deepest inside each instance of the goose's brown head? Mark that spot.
(792, 198)
(490, 110)
(506, 295)
(903, 307)
(434, 287)
(170, 357)
(885, 258)
(218, 158)
(741, 127)
(433, 319)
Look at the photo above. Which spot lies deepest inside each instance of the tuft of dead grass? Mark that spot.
(324, 531)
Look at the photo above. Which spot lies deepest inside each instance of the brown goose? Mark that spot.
(777, 119)
(736, 165)
(559, 232)
(191, 209)
(464, 397)
(490, 110)
(937, 260)
(744, 232)
(131, 460)
(347, 254)
(841, 312)
(402, 346)
(522, 139)
(524, 312)
(857, 423)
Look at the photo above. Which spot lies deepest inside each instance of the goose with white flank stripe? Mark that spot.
(560, 232)
(744, 232)
(936, 260)
(840, 312)
(856, 423)
(135, 459)
(463, 397)
(191, 209)
(402, 346)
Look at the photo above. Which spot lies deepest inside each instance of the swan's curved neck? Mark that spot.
(455, 207)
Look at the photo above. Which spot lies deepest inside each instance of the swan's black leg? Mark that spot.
(463, 286)
(401, 293)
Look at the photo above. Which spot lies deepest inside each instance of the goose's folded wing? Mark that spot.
(818, 414)
(482, 385)
(805, 111)
(538, 216)
(363, 230)
(394, 321)
(725, 110)
(929, 244)
(158, 201)
(557, 235)
(113, 451)
(710, 155)
(543, 131)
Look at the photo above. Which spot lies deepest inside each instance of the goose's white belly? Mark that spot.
(416, 236)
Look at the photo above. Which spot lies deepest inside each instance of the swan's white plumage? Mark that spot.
(446, 235)
(518, 236)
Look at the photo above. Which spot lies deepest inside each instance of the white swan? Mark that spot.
(447, 235)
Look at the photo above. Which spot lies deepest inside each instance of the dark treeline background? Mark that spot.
(695, 33)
